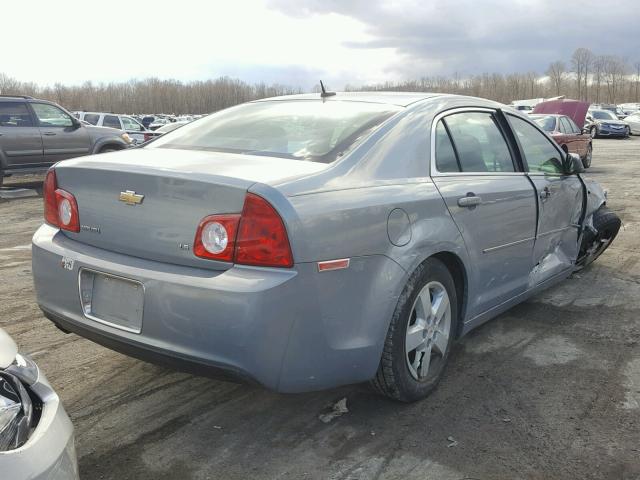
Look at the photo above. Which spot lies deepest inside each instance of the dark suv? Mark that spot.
(35, 134)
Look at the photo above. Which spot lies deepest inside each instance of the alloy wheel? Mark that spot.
(428, 330)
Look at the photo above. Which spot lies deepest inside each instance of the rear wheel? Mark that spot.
(606, 225)
(420, 335)
(586, 161)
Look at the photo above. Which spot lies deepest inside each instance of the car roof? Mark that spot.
(402, 99)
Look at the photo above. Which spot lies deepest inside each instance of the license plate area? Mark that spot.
(111, 300)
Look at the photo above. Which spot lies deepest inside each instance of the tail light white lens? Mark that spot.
(215, 237)
(60, 206)
(64, 212)
(257, 237)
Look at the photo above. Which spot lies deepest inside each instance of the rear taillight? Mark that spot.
(216, 236)
(60, 206)
(257, 237)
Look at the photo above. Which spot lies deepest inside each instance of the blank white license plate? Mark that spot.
(112, 300)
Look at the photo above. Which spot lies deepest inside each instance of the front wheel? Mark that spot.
(586, 161)
(420, 335)
(606, 225)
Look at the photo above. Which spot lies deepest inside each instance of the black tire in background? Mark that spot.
(607, 224)
(394, 378)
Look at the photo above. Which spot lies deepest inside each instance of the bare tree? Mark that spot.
(557, 72)
(581, 62)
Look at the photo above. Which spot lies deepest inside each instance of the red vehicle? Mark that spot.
(560, 119)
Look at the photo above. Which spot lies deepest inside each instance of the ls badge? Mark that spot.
(131, 198)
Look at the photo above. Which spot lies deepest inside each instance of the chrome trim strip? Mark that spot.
(510, 244)
(104, 322)
(557, 230)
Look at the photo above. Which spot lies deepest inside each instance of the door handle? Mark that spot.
(49, 134)
(470, 200)
(545, 193)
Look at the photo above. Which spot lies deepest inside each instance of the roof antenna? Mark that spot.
(324, 93)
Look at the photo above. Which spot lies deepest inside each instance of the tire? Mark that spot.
(593, 131)
(400, 375)
(606, 225)
(586, 161)
(108, 149)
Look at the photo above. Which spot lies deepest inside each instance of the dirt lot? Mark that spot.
(550, 389)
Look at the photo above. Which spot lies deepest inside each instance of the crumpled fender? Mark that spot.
(596, 197)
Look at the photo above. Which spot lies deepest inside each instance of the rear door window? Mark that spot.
(446, 160)
(15, 114)
(111, 121)
(92, 118)
(565, 126)
(478, 143)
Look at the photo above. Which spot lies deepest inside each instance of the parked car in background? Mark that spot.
(35, 134)
(36, 435)
(568, 135)
(311, 241)
(615, 109)
(606, 124)
(633, 121)
(159, 122)
(170, 127)
(630, 108)
(147, 120)
(136, 130)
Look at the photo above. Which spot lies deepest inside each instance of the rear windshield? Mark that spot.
(548, 124)
(314, 131)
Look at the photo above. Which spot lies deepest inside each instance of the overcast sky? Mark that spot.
(297, 42)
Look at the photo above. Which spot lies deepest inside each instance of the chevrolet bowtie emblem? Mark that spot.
(131, 198)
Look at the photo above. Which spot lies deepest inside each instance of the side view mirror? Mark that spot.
(75, 122)
(573, 164)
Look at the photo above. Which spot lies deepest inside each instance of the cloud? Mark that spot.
(471, 37)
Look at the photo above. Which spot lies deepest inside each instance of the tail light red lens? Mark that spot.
(216, 236)
(49, 194)
(262, 238)
(257, 237)
(60, 206)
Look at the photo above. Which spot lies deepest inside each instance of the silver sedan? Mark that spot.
(310, 241)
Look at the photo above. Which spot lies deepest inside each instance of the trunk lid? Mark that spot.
(170, 192)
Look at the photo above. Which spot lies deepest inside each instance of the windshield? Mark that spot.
(548, 124)
(314, 131)
(603, 115)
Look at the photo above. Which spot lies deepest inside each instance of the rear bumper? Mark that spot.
(49, 454)
(289, 330)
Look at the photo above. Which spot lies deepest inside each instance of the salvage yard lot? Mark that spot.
(550, 389)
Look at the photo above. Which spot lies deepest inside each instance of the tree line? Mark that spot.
(151, 95)
(586, 76)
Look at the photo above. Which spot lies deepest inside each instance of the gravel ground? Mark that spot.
(550, 389)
